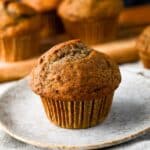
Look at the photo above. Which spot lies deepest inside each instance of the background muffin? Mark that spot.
(92, 21)
(47, 8)
(19, 27)
(76, 84)
(143, 45)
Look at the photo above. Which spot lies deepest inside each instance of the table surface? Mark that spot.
(9, 143)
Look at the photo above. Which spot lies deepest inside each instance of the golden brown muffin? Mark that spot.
(143, 45)
(93, 21)
(76, 84)
(52, 23)
(19, 27)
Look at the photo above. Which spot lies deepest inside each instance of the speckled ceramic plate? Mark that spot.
(23, 117)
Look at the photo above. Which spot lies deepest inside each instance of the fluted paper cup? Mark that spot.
(77, 114)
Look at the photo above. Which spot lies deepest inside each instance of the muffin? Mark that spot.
(19, 28)
(47, 8)
(143, 46)
(92, 21)
(76, 84)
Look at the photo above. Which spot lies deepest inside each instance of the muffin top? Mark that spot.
(89, 9)
(17, 18)
(143, 43)
(42, 5)
(73, 71)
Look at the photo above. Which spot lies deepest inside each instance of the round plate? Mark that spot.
(23, 117)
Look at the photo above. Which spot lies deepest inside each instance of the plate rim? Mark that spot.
(90, 146)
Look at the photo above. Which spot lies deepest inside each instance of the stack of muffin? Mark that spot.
(91, 21)
(26, 21)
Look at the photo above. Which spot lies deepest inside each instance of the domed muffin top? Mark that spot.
(89, 9)
(73, 71)
(143, 43)
(42, 5)
(17, 18)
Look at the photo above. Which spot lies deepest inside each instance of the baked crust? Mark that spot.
(17, 19)
(72, 71)
(89, 9)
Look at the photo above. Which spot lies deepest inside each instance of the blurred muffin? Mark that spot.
(76, 84)
(143, 45)
(19, 27)
(92, 21)
(52, 23)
